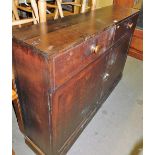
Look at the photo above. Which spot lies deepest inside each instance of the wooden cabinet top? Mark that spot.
(56, 36)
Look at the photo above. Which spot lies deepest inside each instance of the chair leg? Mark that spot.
(58, 10)
(35, 9)
(15, 11)
(34, 18)
(93, 5)
(83, 9)
(76, 8)
(42, 10)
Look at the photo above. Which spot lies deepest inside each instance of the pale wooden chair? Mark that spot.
(42, 7)
(32, 9)
(79, 6)
(57, 6)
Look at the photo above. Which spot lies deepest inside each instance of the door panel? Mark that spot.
(115, 64)
(118, 56)
(75, 100)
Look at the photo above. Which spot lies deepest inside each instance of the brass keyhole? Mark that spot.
(130, 25)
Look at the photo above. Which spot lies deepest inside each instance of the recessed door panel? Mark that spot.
(74, 101)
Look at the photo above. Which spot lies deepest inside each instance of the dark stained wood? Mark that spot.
(106, 16)
(136, 48)
(72, 108)
(127, 26)
(31, 74)
(78, 57)
(73, 29)
(64, 71)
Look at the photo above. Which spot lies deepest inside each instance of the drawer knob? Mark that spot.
(129, 25)
(105, 76)
(95, 49)
(118, 26)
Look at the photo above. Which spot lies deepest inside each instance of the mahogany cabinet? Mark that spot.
(66, 69)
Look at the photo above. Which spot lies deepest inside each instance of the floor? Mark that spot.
(116, 129)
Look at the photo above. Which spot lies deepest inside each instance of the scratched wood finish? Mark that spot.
(72, 108)
(76, 58)
(31, 77)
(60, 81)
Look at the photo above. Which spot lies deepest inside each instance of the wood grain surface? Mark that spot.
(64, 71)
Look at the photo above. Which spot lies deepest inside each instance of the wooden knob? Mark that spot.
(105, 76)
(95, 49)
(118, 27)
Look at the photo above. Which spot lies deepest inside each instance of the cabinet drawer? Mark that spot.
(75, 59)
(126, 26)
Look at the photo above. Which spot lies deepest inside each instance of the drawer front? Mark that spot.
(76, 99)
(75, 59)
(126, 26)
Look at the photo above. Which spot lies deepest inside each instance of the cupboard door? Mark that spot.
(117, 57)
(76, 99)
(115, 65)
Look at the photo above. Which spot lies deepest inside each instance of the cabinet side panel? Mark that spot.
(31, 76)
